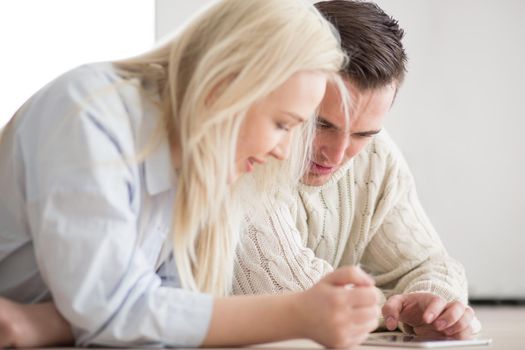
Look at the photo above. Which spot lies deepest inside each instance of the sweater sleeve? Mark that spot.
(272, 258)
(404, 253)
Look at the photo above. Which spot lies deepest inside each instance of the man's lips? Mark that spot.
(319, 169)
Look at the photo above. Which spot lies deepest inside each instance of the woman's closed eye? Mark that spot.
(283, 126)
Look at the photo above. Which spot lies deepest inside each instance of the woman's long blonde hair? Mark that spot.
(208, 75)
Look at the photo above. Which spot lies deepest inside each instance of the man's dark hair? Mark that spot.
(371, 39)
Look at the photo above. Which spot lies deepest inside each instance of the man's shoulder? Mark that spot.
(380, 161)
(382, 149)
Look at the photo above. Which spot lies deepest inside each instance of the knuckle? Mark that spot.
(372, 313)
(334, 301)
(372, 325)
(469, 311)
(463, 323)
(340, 338)
(452, 330)
(338, 321)
(377, 310)
(353, 269)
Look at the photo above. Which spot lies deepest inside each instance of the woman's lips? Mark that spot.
(319, 169)
(250, 162)
(249, 166)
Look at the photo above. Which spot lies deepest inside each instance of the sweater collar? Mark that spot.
(336, 176)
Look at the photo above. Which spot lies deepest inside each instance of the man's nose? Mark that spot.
(337, 149)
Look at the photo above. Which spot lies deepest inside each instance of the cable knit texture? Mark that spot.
(368, 214)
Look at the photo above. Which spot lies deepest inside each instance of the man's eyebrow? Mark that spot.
(367, 133)
(327, 123)
(299, 118)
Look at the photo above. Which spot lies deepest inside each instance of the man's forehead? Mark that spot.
(366, 107)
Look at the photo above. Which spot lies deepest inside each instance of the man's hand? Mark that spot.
(430, 316)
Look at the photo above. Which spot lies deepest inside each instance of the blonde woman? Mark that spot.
(121, 182)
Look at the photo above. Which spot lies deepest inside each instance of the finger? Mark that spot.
(475, 324)
(428, 332)
(362, 296)
(434, 309)
(462, 325)
(349, 275)
(452, 313)
(463, 335)
(391, 311)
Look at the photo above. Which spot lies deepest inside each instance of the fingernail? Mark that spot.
(430, 318)
(441, 324)
(391, 323)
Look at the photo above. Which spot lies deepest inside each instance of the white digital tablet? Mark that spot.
(396, 339)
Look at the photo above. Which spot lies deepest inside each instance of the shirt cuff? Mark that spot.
(190, 319)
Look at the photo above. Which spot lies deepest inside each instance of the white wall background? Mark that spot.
(41, 39)
(459, 119)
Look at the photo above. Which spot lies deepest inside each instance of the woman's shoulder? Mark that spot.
(95, 90)
(87, 100)
(84, 80)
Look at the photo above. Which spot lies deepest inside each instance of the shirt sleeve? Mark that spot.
(83, 191)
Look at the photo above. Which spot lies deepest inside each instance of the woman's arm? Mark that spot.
(330, 313)
(33, 325)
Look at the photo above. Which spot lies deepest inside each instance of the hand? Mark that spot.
(34, 325)
(336, 314)
(430, 316)
(11, 324)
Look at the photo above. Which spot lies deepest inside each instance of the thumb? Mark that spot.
(349, 275)
(391, 310)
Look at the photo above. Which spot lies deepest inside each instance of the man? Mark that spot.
(358, 204)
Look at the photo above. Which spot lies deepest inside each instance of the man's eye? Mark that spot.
(322, 125)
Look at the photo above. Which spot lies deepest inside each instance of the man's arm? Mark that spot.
(271, 257)
(407, 257)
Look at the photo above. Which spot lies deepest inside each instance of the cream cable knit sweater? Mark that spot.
(368, 214)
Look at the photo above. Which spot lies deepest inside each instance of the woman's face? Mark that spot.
(266, 131)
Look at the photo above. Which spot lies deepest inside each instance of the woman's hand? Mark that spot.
(341, 309)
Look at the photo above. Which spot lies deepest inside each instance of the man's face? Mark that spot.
(333, 144)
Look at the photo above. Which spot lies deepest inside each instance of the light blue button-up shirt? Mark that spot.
(85, 218)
